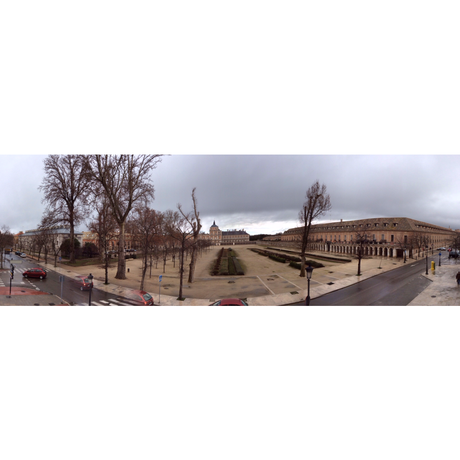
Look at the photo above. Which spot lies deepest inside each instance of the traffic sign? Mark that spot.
(159, 278)
(439, 253)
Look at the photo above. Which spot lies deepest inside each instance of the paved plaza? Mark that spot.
(266, 282)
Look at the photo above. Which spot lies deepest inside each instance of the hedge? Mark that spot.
(277, 259)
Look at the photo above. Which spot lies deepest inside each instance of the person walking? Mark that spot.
(458, 278)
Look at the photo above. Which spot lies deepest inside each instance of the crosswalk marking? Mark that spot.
(112, 303)
(119, 302)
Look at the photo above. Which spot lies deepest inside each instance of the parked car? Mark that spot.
(34, 273)
(83, 283)
(229, 302)
(140, 297)
(23, 254)
(453, 255)
(18, 253)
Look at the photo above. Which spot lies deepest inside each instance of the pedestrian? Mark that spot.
(458, 278)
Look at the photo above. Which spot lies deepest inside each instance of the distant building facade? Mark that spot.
(27, 240)
(384, 236)
(93, 237)
(218, 237)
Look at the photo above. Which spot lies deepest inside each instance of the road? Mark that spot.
(396, 287)
(71, 292)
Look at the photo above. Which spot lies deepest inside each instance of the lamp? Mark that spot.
(309, 270)
(90, 277)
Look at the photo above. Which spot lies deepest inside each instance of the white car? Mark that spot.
(22, 254)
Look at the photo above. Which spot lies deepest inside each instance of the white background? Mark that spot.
(229, 77)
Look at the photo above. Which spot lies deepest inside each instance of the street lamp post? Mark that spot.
(404, 255)
(90, 277)
(309, 270)
(439, 259)
(426, 260)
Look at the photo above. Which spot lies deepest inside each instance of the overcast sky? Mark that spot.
(264, 193)
(242, 77)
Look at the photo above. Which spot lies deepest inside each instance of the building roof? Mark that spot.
(377, 223)
(59, 231)
(234, 232)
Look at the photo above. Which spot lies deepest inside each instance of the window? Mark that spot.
(383, 236)
(405, 239)
(392, 238)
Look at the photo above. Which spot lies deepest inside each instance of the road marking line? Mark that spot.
(119, 302)
(116, 302)
(290, 282)
(266, 285)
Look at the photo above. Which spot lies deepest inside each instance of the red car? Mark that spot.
(229, 302)
(140, 297)
(35, 273)
(84, 283)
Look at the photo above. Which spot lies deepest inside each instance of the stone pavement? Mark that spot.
(266, 282)
(443, 291)
(21, 296)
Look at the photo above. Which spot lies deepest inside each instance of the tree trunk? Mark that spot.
(121, 271)
(192, 265)
(303, 262)
(144, 270)
(181, 269)
(72, 242)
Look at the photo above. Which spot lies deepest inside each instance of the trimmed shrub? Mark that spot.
(277, 259)
(238, 268)
(223, 268)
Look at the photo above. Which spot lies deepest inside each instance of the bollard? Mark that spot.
(128, 270)
(433, 264)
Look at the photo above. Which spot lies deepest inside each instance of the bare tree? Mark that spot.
(194, 221)
(317, 203)
(178, 228)
(105, 227)
(405, 244)
(66, 190)
(419, 240)
(126, 181)
(146, 223)
(455, 242)
(6, 240)
(361, 239)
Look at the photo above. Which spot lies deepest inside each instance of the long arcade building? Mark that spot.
(383, 236)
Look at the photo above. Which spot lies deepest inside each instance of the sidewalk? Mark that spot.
(443, 291)
(266, 283)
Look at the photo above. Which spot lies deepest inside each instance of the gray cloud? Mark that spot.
(263, 193)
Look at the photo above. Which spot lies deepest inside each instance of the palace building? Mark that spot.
(218, 237)
(381, 236)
